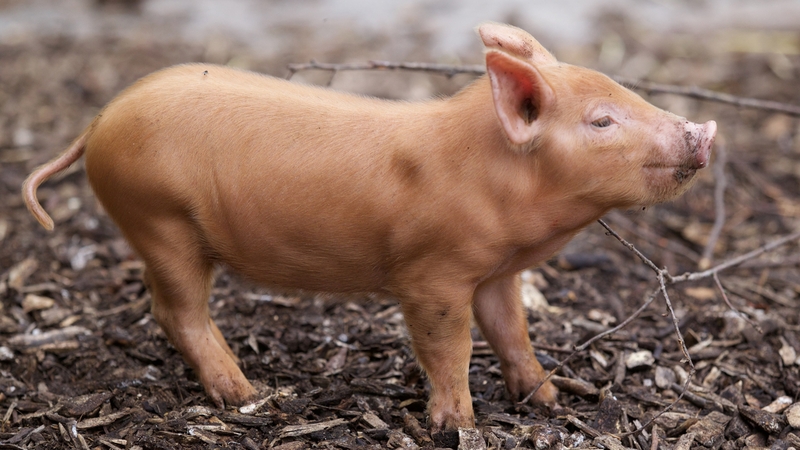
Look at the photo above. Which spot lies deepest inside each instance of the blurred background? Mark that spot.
(62, 60)
(743, 47)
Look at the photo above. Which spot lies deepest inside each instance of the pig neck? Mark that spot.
(533, 214)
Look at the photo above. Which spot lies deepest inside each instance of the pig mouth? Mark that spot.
(680, 173)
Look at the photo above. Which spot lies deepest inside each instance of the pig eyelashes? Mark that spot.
(603, 122)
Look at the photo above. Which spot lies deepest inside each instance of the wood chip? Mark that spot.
(102, 421)
(545, 437)
(335, 364)
(85, 404)
(308, 428)
(55, 347)
(33, 302)
(413, 428)
(609, 442)
(685, 441)
(376, 387)
(205, 436)
(576, 386)
(252, 408)
(110, 443)
(24, 341)
(709, 430)
(639, 360)
(769, 422)
(6, 354)
(665, 377)
(787, 353)
(737, 428)
(296, 445)
(608, 416)
(374, 421)
(470, 439)
(793, 415)
(20, 272)
(398, 439)
(583, 426)
(778, 405)
(245, 419)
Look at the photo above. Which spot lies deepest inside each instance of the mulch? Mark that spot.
(84, 365)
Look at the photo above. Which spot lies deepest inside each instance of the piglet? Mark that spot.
(439, 204)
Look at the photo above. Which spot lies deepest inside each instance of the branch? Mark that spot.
(665, 278)
(630, 246)
(650, 87)
(706, 94)
(447, 70)
(721, 289)
(738, 260)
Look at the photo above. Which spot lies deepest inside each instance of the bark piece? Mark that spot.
(85, 404)
(709, 430)
(470, 439)
(771, 423)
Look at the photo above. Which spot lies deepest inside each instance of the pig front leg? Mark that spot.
(503, 322)
(439, 324)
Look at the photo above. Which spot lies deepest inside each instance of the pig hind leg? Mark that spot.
(179, 278)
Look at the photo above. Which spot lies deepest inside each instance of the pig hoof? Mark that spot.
(452, 422)
(546, 395)
(230, 393)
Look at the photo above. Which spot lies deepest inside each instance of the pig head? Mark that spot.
(601, 140)
(440, 203)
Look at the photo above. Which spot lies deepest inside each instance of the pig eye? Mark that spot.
(603, 122)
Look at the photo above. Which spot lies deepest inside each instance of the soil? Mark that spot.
(84, 365)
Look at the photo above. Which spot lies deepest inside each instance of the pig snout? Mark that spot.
(699, 140)
(686, 148)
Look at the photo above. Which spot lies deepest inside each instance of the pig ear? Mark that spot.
(515, 41)
(520, 95)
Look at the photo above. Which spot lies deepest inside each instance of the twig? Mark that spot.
(730, 305)
(652, 238)
(662, 276)
(738, 260)
(630, 246)
(650, 298)
(788, 261)
(589, 342)
(662, 282)
(654, 442)
(719, 206)
(447, 70)
(583, 426)
(450, 70)
(665, 278)
(706, 94)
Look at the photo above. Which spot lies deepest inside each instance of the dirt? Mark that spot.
(83, 364)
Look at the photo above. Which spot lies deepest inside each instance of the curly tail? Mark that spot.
(43, 172)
